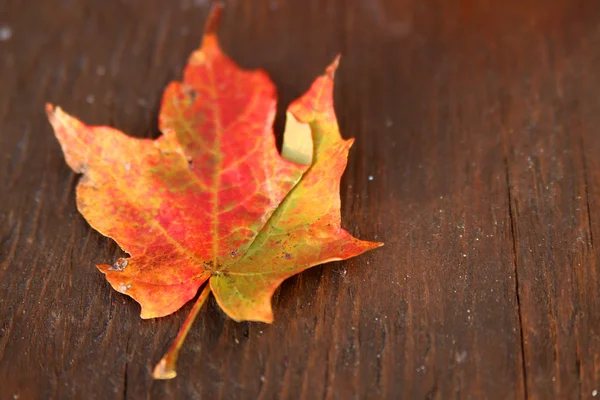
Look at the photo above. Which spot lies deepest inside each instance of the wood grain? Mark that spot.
(477, 162)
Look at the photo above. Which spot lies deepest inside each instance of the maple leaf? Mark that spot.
(212, 199)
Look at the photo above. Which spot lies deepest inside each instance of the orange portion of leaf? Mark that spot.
(212, 199)
(189, 203)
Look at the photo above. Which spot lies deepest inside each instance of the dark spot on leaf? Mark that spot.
(287, 256)
(190, 93)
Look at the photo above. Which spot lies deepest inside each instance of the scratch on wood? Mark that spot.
(122, 43)
(513, 235)
(68, 192)
(48, 279)
(587, 193)
(5, 334)
(305, 389)
(42, 86)
(35, 218)
(12, 241)
(161, 36)
(18, 158)
(333, 350)
(125, 367)
(33, 274)
(355, 334)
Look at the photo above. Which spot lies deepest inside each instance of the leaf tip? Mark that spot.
(58, 117)
(374, 245)
(52, 112)
(147, 311)
(214, 19)
(331, 68)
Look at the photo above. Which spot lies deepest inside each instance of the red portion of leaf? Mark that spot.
(306, 228)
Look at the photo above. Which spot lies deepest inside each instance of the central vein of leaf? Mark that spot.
(217, 169)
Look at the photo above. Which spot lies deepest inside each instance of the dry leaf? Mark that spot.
(212, 199)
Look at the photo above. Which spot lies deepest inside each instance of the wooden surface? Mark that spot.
(479, 123)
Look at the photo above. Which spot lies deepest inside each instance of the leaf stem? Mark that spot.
(165, 369)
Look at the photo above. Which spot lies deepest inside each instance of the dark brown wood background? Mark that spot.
(479, 122)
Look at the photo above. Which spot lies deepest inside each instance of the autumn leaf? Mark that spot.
(212, 200)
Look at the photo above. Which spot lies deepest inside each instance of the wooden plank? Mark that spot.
(588, 274)
(455, 329)
(548, 154)
(476, 127)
